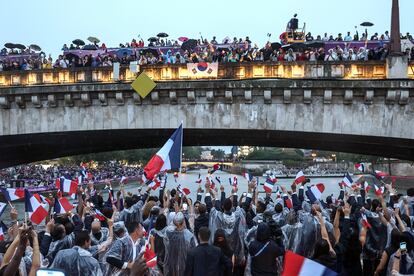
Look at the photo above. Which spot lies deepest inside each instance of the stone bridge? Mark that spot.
(342, 107)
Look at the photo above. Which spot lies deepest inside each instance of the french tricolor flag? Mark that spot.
(380, 174)
(298, 265)
(3, 230)
(315, 192)
(62, 206)
(34, 208)
(168, 157)
(12, 194)
(67, 185)
(268, 186)
(184, 191)
(379, 190)
(155, 183)
(248, 176)
(300, 178)
(150, 257)
(235, 181)
(360, 167)
(347, 181)
(366, 187)
(365, 222)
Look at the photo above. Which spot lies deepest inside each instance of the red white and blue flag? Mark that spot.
(67, 185)
(366, 187)
(235, 181)
(12, 194)
(360, 167)
(300, 178)
(150, 257)
(269, 184)
(347, 181)
(184, 191)
(379, 190)
(37, 213)
(62, 206)
(248, 176)
(199, 180)
(365, 221)
(216, 167)
(380, 174)
(155, 183)
(2, 208)
(296, 265)
(168, 157)
(315, 192)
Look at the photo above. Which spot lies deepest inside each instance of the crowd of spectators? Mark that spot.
(166, 51)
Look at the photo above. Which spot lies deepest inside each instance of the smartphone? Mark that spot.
(50, 272)
(244, 194)
(185, 206)
(403, 247)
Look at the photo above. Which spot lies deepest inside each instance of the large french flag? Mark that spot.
(12, 194)
(168, 157)
(34, 208)
(62, 206)
(300, 178)
(315, 192)
(296, 265)
(67, 185)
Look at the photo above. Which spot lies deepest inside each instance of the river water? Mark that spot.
(188, 180)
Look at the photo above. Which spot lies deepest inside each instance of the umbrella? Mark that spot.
(90, 47)
(189, 44)
(93, 39)
(35, 47)
(124, 51)
(154, 52)
(183, 38)
(152, 39)
(226, 40)
(9, 45)
(78, 42)
(162, 35)
(367, 24)
(276, 46)
(19, 46)
(294, 46)
(315, 44)
(72, 56)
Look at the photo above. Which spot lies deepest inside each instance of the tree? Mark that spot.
(218, 154)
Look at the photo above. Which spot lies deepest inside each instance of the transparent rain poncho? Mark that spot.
(376, 237)
(177, 244)
(234, 225)
(121, 249)
(103, 238)
(77, 262)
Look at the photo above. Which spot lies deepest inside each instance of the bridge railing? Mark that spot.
(226, 71)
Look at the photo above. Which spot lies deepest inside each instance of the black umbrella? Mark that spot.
(189, 44)
(294, 46)
(71, 57)
(162, 35)
(315, 44)
(35, 47)
(19, 46)
(10, 45)
(146, 51)
(152, 39)
(276, 45)
(367, 24)
(90, 47)
(78, 42)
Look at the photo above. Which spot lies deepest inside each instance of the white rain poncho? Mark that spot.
(234, 225)
(131, 214)
(177, 244)
(121, 249)
(77, 262)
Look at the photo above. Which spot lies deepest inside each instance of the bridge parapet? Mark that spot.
(227, 71)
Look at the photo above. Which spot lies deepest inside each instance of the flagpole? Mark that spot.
(181, 148)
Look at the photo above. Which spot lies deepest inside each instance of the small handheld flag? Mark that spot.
(34, 208)
(248, 176)
(12, 194)
(298, 265)
(315, 192)
(300, 178)
(216, 167)
(347, 181)
(360, 167)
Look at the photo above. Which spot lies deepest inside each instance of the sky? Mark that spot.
(51, 23)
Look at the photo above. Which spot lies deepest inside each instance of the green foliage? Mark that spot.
(276, 154)
(192, 153)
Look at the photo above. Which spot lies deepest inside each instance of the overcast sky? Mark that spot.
(51, 23)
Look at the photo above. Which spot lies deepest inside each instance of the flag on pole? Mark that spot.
(12, 194)
(380, 174)
(315, 192)
(298, 265)
(199, 180)
(235, 181)
(248, 176)
(184, 191)
(269, 184)
(366, 187)
(62, 206)
(37, 213)
(67, 185)
(150, 257)
(155, 183)
(168, 157)
(365, 222)
(216, 167)
(347, 181)
(300, 178)
(360, 167)
(379, 190)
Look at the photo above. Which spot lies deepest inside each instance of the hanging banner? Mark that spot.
(202, 70)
